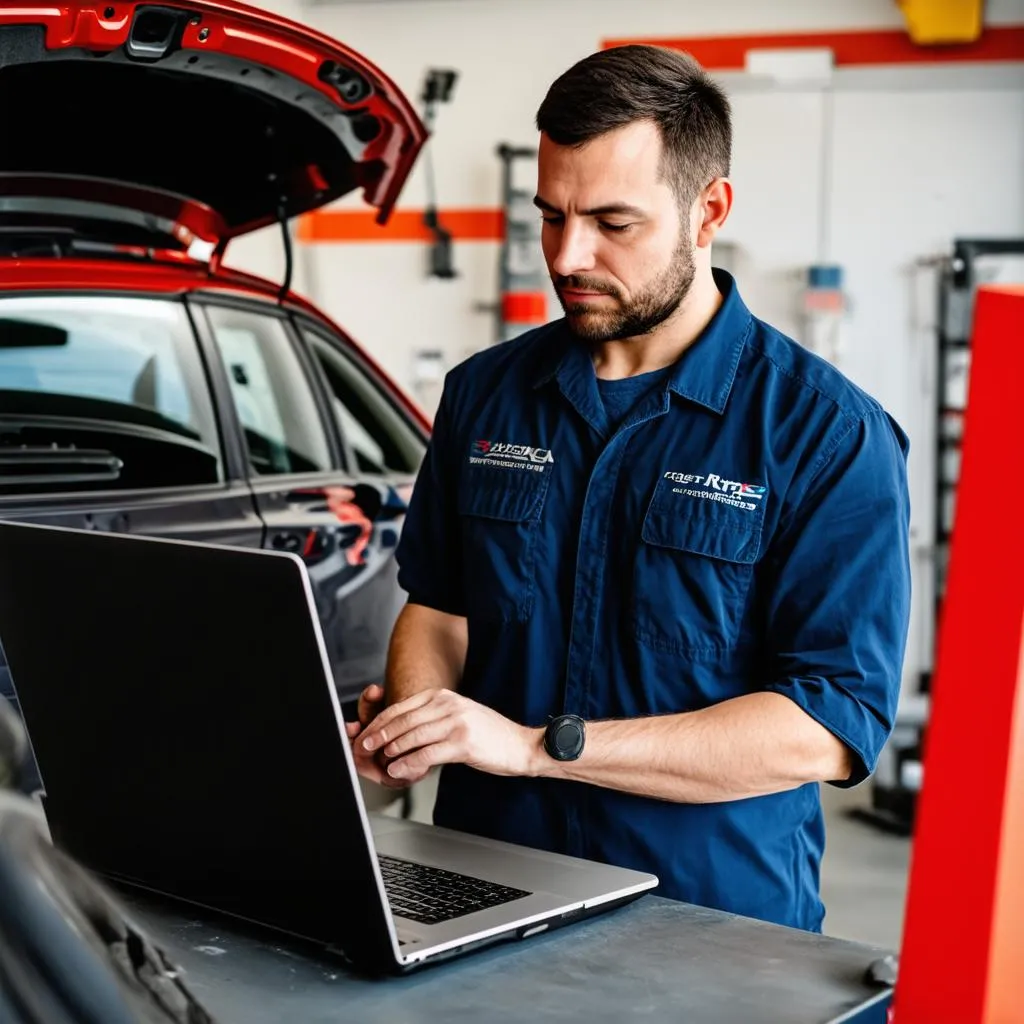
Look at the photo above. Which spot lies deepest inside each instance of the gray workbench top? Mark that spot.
(653, 959)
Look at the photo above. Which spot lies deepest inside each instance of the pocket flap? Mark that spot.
(512, 495)
(713, 533)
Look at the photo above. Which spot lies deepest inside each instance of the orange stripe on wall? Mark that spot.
(728, 53)
(852, 48)
(473, 225)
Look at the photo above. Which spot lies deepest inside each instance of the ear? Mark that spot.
(711, 210)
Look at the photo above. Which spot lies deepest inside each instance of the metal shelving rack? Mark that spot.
(897, 779)
(959, 280)
(522, 276)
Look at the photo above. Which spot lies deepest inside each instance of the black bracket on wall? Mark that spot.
(437, 89)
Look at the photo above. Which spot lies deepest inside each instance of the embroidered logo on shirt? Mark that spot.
(711, 487)
(510, 456)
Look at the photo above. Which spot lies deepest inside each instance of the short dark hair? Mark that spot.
(616, 87)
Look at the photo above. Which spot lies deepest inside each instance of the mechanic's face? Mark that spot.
(619, 251)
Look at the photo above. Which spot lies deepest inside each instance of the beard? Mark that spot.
(649, 308)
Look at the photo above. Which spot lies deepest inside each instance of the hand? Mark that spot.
(442, 727)
(370, 766)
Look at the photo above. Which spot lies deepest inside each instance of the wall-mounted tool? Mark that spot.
(436, 89)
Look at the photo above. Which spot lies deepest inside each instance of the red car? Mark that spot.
(144, 386)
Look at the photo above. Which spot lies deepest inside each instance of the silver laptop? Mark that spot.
(180, 704)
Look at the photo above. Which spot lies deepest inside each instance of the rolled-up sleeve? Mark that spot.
(429, 553)
(839, 589)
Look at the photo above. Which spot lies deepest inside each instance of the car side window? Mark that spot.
(102, 393)
(272, 395)
(381, 439)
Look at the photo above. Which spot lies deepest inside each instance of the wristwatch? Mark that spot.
(564, 737)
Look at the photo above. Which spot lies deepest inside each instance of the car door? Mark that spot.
(383, 446)
(108, 422)
(308, 488)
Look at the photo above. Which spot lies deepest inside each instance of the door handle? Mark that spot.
(310, 545)
(288, 540)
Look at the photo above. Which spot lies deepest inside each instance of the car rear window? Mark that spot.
(102, 393)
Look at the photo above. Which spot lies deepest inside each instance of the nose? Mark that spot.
(575, 250)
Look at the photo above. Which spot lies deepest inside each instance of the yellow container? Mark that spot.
(938, 22)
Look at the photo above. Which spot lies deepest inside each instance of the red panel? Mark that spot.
(1005, 1000)
(963, 945)
(524, 308)
(884, 46)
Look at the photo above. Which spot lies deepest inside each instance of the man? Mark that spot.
(659, 517)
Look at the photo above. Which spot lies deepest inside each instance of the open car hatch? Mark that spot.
(132, 122)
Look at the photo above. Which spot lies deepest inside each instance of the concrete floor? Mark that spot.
(864, 874)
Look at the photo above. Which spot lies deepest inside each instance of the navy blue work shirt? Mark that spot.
(743, 529)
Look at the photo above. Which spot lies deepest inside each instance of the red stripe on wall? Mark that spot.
(467, 225)
(888, 46)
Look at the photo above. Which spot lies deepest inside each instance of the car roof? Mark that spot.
(169, 274)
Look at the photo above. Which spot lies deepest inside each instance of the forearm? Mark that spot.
(427, 651)
(748, 746)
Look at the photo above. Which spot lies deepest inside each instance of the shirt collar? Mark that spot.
(706, 370)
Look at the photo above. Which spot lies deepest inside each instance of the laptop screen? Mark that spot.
(180, 707)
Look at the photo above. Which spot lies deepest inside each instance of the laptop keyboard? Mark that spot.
(431, 895)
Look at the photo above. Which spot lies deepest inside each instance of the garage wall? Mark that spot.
(878, 173)
(507, 53)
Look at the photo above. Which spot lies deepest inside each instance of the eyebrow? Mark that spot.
(609, 209)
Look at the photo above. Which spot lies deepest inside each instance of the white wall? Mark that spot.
(877, 175)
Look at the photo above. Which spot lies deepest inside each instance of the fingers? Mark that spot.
(370, 766)
(407, 780)
(371, 769)
(372, 740)
(400, 727)
(371, 701)
(372, 694)
(416, 765)
(419, 733)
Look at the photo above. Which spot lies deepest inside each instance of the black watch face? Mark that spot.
(567, 739)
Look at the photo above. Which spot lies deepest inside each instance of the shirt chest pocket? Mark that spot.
(500, 512)
(693, 571)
